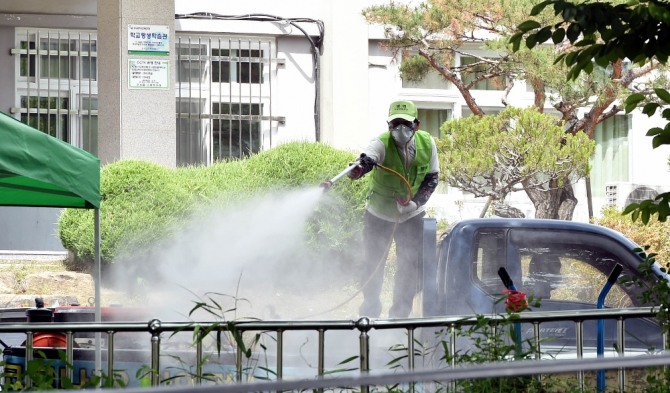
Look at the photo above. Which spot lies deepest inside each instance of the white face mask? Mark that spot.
(402, 133)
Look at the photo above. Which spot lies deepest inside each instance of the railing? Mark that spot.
(367, 329)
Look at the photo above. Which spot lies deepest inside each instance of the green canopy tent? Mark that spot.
(39, 170)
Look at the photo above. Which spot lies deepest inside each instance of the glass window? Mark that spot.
(477, 69)
(432, 119)
(89, 123)
(610, 159)
(192, 61)
(235, 136)
(489, 245)
(223, 104)
(432, 80)
(57, 85)
(561, 266)
(59, 56)
(191, 146)
(239, 66)
(552, 265)
(47, 114)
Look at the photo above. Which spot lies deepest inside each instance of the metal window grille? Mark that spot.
(56, 86)
(224, 97)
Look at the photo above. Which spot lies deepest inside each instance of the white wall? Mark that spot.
(650, 165)
(293, 97)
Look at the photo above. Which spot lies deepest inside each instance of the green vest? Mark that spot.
(387, 186)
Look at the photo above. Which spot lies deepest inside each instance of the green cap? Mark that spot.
(405, 110)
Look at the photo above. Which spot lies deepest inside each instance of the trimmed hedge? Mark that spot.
(143, 203)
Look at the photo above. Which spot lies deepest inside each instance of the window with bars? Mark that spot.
(223, 91)
(241, 66)
(224, 87)
(56, 86)
(235, 132)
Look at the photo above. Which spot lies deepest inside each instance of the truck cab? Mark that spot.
(563, 264)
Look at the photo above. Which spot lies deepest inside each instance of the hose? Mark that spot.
(409, 186)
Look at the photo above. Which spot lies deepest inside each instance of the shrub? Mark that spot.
(143, 203)
(655, 234)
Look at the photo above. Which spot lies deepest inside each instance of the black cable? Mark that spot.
(317, 46)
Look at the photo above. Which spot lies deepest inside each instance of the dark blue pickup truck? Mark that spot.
(566, 264)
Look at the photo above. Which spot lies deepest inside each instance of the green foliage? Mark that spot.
(41, 371)
(143, 203)
(227, 336)
(414, 68)
(490, 155)
(655, 234)
(488, 339)
(603, 33)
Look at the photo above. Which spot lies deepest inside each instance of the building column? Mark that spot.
(344, 76)
(136, 91)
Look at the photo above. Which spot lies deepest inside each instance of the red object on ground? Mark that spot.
(516, 300)
(53, 340)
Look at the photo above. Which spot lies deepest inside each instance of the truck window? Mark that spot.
(489, 251)
(570, 267)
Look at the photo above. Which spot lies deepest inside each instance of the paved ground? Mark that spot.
(21, 255)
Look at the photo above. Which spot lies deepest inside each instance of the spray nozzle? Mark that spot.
(326, 185)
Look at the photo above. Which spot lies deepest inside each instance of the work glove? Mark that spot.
(405, 207)
(355, 173)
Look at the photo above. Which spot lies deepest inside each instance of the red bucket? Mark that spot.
(52, 340)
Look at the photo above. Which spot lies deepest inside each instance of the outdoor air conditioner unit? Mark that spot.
(622, 194)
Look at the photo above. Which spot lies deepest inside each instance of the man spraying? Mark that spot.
(405, 168)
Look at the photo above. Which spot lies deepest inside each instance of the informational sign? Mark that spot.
(148, 74)
(148, 40)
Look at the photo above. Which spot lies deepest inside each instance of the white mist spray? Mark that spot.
(255, 254)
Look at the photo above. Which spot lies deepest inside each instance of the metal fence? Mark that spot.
(366, 332)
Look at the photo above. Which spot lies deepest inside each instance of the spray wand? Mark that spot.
(326, 185)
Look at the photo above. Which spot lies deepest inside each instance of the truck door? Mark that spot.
(566, 271)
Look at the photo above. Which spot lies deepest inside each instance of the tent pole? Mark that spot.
(98, 284)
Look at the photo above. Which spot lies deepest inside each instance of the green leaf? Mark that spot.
(574, 30)
(650, 108)
(661, 139)
(570, 57)
(543, 35)
(630, 208)
(663, 95)
(632, 101)
(654, 131)
(586, 42)
(539, 8)
(569, 13)
(646, 214)
(588, 67)
(529, 25)
(558, 36)
(515, 40)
